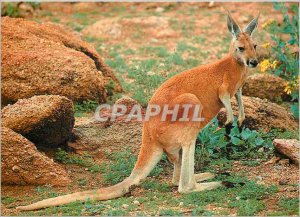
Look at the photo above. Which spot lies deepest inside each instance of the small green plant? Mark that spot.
(250, 163)
(154, 185)
(169, 212)
(92, 210)
(198, 211)
(7, 200)
(121, 167)
(46, 191)
(247, 207)
(213, 142)
(110, 87)
(85, 161)
(10, 9)
(284, 61)
(289, 205)
(85, 107)
(82, 182)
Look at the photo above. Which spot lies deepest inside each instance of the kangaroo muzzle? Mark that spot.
(252, 63)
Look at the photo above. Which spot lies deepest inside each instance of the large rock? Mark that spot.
(265, 86)
(45, 58)
(22, 164)
(262, 114)
(44, 120)
(98, 137)
(289, 148)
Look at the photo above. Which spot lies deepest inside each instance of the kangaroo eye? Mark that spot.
(255, 46)
(241, 49)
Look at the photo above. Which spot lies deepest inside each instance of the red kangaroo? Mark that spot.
(210, 86)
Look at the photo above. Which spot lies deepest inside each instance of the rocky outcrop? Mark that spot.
(262, 115)
(97, 136)
(289, 148)
(22, 164)
(45, 120)
(46, 58)
(265, 86)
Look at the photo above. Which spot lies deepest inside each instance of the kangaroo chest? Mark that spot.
(238, 81)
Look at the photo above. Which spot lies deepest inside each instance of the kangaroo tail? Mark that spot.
(148, 158)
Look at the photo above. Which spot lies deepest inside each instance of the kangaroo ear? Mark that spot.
(252, 26)
(232, 26)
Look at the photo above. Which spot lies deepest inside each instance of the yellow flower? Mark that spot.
(268, 23)
(266, 45)
(274, 64)
(288, 89)
(265, 65)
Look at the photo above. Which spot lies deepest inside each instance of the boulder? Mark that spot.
(98, 137)
(45, 120)
(289, 148)
(46, 58)
(128, 102)
(22, 164)
(262, 114)
(265, 86)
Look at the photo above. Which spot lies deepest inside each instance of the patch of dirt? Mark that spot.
(116, 28)
(100, 138)
(132, 23)
(284, 175)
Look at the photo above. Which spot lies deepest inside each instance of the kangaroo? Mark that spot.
(211, 86)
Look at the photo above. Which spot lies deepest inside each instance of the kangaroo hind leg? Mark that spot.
(174, 157)
(188, 179)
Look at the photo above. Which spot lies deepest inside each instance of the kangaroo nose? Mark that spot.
(253, 63)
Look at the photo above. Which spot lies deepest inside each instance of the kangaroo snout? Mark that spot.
(252, 63)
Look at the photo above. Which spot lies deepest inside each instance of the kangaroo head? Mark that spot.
(243, 47)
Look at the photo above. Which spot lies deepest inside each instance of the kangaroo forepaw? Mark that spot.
(228, 128)
(241, 126)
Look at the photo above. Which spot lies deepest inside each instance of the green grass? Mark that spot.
(286, 207)
(146, 75)
(154, 185)
(247, 207)
(157, 197)
(120, 167)
(87, 106)
(290, 206)
(7, 200)
(70, 158)
(169, 212)
(82, 18)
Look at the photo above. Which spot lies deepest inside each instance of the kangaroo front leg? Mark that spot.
(224, 96)
(226, 101)
(239, 100)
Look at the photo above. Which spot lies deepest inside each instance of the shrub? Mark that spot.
(213, 142)
(284, 61)
(85, 106)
